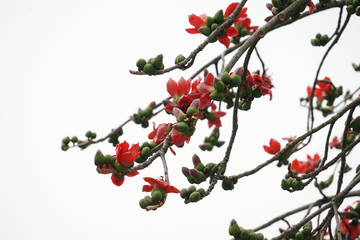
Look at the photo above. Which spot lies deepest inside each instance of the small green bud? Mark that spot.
(191, 111)
(277, 3)
(318, 36)
(235, 80)
(74, 139)
(209, 21)
(214, 27)
(244, 235)
(219, 86)
(225, 77)
(324, 39)
(256, 93)
(93, 135)
(149, 69)
(143, 203)
(66, 141)
(219, 17)
(120, 167)
(88, 134)
(234, 230)
(259, 236)
(191, 189)
(99, 158)
(243, 93)
(194, 196)
(140, 159)
(183, 193)
(205, 30)
(201, 178)
(244, 32)
(350, 9)
(306, 231)
(191, 179)
(299, 236)
(201, 191)
(145, 152)
(179, 59)
(297, 185)
(200, 167)
(182, 127)
(156, 195)
(217, 96)
(348, 2)
(252, 236)
(140, 64)
(285, 185)
(145, 124)
(156, 62)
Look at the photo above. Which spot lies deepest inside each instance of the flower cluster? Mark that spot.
(306, 167)
(206, 25)
(212, 140)
(349, 223)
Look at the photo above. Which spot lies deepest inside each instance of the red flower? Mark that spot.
(317, 93)
(159, 134)
(298, 166)
(216, 120)
(335, 143)
(126, 156)
(273, 148)
(208, 84)
(325, 87)
(231, 8)
(346, 225)
(178, 138)
(159, 183)
(306, 167)
(176, 89)
(197, 22)
(311, 6)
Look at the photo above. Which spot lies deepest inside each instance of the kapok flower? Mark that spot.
(273, 148)
(216, 120)
(126, 155)
(298, 166)
(306, 167)
(197, 22)
(346, 225)
(159, 183)
(159, 134)
(176, 89)
(325, 87)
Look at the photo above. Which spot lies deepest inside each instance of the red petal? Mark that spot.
(150, 180)
(275, 145)
(172, 189)
(133, 174)
(311, 6)
(267, 149)
(205, 88)
(225, 40)
(231, 32)
(127, 159)
(117, 181)
(183, 86)
(147, 188)
(229, 10)
(196, 21)
(205, 100)
(172, 88)
(192, 30)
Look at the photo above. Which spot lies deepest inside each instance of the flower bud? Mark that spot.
(200, 167)
(355, 123)
(74, 139)
(194, 173)
(219, 85)
(225, 77)
(209, 21)
(185, 171)
(149, 69)
(350, 9)
(243, 93)
(219, 17)
(217, 96)
(201, 191)
(157, 62)
(99, 159)
(244, 234)
(143, 203)
(179, 59)
(140, 64)
(285, 185)
(299, 236)
(276, 3)
(145, 152)
(66, 140)
(182, 127)
(196, 160)
(183, 193)
(194, 196)
(156, 195)
(205, 30)
(191, 189)
(234, 229)
(192, 111)
(235, 80)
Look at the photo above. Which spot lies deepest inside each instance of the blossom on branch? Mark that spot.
(125, 155)
(215, 117)
(306, 167)
(350, 227)
(159, 183)
(273, 148)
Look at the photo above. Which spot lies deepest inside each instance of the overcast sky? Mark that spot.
(64, 70)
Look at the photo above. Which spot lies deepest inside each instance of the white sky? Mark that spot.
(64, 70)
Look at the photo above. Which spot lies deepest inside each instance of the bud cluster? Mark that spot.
(320, 40)
(291, 184)
(145, 151)
(353, 6)
(211, 141)
(114, 136)
(190, 194)
(151, 65)
(223, 85)
(100, 159)
(277, 6)
(240, 233)
(212, 23)
(157, 195)
(304, 234)
(142, 116)
(186, 121)
(65, 142)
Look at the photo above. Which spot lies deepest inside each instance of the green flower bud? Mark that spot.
(74, 139)
(245, 105)
(200, 167)
(355, 123)
(88, 134)
(120, 167)
(194, 196)
(66, 141)
(234, 230)
(183, 193)
(226, 78)
(219, 17)
(143, 203)
(179, 59)
(191, 189)
(259, 236)
(306, 231)
(244, 32)
(153, 144)
(140, 159)
(112, 162)
(285, 185)
(205, 30)
(350, 9)
(219, 143)
(348, 2)
(356, 3)
(235, 80)
(214, 27)
(145, 124)
(137, 118)
(210, 165)
(209, 21)
(149, 69)
(182, 127)
(219, 86)
(201, 178)
(217, 96)
(156, 62)
(299, 236)
(140, 64)
(252, 236)
(201, 191)
(324, 39)
(243, 93)
(315, 42)
(226, 185)
(190, 179)
(191, 111)
(145, 152)
(156, 195)
(277, 3)
(297, 185)
(93, 135)
(190, 132)
(148, 112)
(108, 158)
(99, 158)
(244, 234)
(256, 93)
